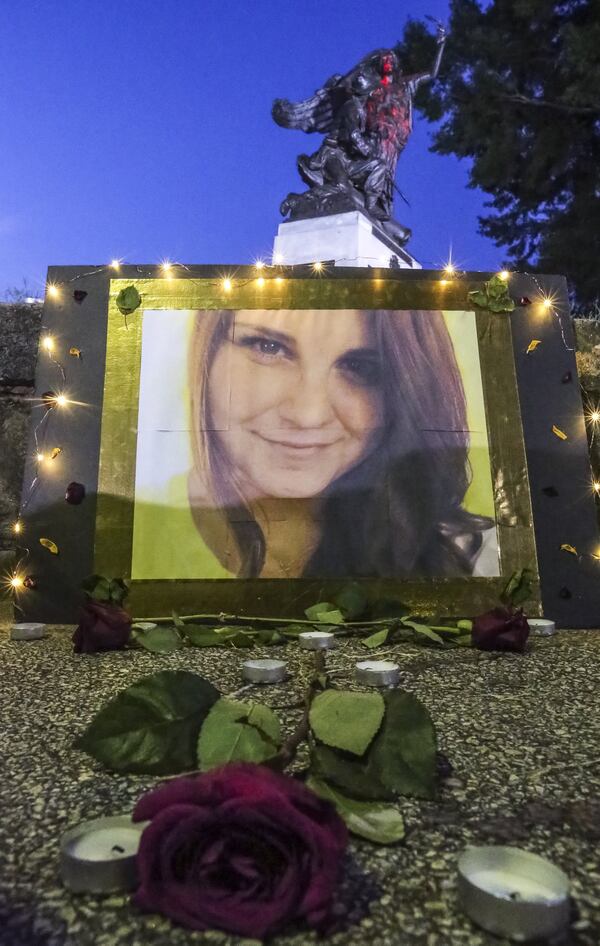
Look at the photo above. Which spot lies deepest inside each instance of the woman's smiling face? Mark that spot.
(295, 399)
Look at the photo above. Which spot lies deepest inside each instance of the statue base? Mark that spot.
(349, 239)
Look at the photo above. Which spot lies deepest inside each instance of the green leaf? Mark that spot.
(424, 630)
(324, 613)
(292, 630)
(401, 760)
(331, 617)
(118, 591)
(263, 718)
(315, 610)
(229, 631)
(376, 822)
(377, 639)
(346, 720)
(493, 295)
(238, 732)
(200, 636)
(478, 298)
(152, 727)
(465, 625)
(128, 300)
(100, 588)
(238, 636)
(403, 756)
(97, 587)
(352, 601)
(160, 640)
(518, 588)
(349, 773)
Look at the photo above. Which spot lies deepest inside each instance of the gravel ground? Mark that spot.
(522, 732)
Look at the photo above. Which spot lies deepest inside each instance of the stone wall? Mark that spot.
(19, 330)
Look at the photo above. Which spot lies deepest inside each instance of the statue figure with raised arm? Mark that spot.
(366, 116)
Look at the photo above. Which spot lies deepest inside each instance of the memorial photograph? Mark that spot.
(323, 443)
(300, 474)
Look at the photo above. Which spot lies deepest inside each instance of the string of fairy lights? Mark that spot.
(263, 274)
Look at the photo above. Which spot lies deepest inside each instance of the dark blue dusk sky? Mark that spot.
(141, 129)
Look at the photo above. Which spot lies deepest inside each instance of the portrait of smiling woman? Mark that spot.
(332, 443)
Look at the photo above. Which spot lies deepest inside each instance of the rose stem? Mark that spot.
(288, 750)
(223, 618)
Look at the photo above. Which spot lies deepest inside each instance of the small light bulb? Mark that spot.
(17, 528)
(547, 304)
(318, 266)
(260, 264)
(115, 264)
(227, 284)
(504, 275)
(52, 290)
(48, 343)
(596, 486)
(595, 417)
(450, 269)
(61, 400)
(166, 266)
(40, 457)
(260, 281)
(16, 581)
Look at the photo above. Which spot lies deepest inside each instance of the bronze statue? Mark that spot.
(366, 116)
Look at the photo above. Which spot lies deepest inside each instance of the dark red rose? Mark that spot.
(500, 629)
(240, 849)
(75, 493)
(102, 626)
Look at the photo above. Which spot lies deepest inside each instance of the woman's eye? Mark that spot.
(266, 347)
(365, 371)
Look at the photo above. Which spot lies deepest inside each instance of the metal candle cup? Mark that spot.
(27, 632)
(99, 856)
(378, 673)
(264, 671)
(316, 640)
(513, 893)
(542, 627)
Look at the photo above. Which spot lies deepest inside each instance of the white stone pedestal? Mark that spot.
(350, 239)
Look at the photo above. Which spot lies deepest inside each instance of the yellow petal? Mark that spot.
(55, 452)
(50, 545)
(565, 547)
(533, 344)
(76, 352)
(559, 433)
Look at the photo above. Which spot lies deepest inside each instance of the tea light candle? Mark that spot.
(542, 627)
(513, 893)
(378, 673)
(99, 856)
(316, 640)
(27, 632)
(264, 671)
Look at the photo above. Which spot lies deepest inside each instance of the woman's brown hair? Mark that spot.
(399, 512)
